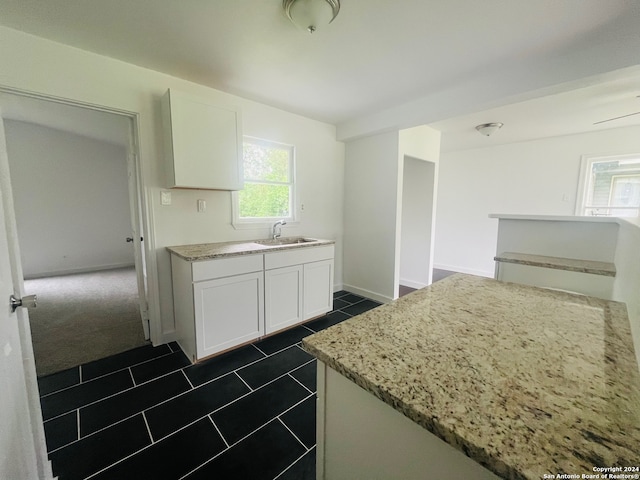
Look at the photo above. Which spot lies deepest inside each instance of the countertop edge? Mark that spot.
(252, 248)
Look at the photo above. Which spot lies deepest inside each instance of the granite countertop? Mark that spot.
(524, 380)
(208, 251)
(606, 269)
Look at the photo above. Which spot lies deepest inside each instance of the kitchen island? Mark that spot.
(525, 382)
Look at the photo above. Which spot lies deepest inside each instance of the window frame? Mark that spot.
(585, 180)
(264, 222)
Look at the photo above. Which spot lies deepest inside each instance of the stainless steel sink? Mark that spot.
(286, 241)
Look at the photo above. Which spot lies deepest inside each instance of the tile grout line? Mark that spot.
(79, 374)
(105, 375)
(254, 345)
(295, 344)
(187, 377)
(242, 380)
(234, 401)
(218, 430)
(153, 442)
(120, 460)
(230, 447)
(194, 388)
(128, 389)
(291, 432)
(294, 406)
(244, 366)
(132, 377)
(146, 423)
(97, 431)
(301, 384)
(120, 420)
(78, 437)
(293, 463)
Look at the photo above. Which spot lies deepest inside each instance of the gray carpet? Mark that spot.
(84, 317)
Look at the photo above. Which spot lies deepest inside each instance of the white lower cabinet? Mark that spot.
(318, 288)
(228, 312)
(218, 304)
(298, 286)
(283, 297)
(223, 303)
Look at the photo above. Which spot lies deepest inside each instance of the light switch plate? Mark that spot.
(165, 198)
(202, 205)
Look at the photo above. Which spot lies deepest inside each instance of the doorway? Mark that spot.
(77, 202)
(417, 224)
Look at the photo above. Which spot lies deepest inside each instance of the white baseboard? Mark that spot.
(367, 293)
(410, 283)
(337, 287)
(71, 271)
(470, 271)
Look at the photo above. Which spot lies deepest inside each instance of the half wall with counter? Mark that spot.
(598, 256)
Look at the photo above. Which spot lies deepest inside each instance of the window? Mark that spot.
(610, 186)
(269, 183)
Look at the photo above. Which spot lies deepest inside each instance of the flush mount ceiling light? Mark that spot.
(311, 14)
(489, 128)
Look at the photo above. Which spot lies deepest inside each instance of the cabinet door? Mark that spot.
(204, 143)
(283, 298)
(228, 311)
(318, 288)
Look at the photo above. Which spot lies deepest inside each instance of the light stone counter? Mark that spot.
(208, 251)
(523, 380)
(606, 269)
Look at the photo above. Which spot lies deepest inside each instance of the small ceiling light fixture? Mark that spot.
(309, 14)
(489, 128)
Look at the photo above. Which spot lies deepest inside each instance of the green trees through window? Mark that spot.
(268, 180)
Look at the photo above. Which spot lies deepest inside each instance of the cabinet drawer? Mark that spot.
(225, 267)
(298, 256)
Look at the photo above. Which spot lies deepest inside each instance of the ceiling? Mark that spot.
(613, 103)
(377, 54)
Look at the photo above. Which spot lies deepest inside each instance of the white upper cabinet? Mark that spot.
(203, 143)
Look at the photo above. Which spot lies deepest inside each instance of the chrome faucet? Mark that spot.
(277, 233)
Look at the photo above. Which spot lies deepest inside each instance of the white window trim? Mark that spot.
(584, 181)
(267, 222)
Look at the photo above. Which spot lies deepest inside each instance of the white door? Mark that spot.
(135, 189)
(22, 445)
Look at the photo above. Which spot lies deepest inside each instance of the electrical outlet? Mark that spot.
(165, 198)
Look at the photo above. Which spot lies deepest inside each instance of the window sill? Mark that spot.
(260, 225)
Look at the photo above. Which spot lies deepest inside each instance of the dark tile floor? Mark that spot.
(149, 413)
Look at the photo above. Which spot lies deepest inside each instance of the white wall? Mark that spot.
(370, 215)
(534, 177)
(71, 191)
(34, 64)
(373, 204)
(626, 287)
(418, 190)
(418, 164)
